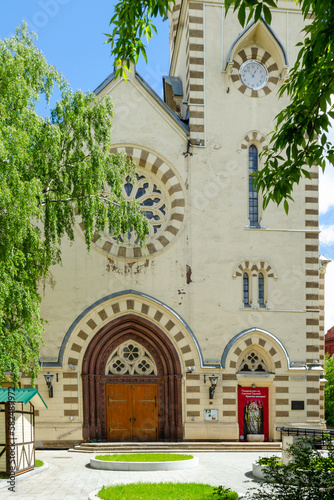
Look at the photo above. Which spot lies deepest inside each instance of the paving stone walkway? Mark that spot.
(69, 476)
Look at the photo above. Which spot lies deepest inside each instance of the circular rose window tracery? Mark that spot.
(154, 202)
(159, 191)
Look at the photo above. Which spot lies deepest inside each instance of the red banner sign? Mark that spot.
(253, 412)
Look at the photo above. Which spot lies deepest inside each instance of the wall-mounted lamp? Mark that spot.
(48, 379)
(213, 381)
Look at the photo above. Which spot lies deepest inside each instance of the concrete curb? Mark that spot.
(37, 470)
(144, 466)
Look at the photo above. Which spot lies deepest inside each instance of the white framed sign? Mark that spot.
(211, 415)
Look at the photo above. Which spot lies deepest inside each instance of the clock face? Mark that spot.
(253, 74)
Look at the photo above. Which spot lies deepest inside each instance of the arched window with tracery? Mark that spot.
(252, 362)
(131, 358)
(253, 205)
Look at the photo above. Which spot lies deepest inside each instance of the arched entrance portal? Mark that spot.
(115, 391)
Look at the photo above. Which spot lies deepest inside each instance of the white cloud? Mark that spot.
(327, 235)
(326, 188)
(329, 297)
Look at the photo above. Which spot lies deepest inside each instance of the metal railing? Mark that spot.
(321, 436)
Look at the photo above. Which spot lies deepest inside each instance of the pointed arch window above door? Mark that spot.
(253, 362)
(130, 358)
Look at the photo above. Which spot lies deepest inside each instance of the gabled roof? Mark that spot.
(271, 31)
(153, 94)
(22, 396)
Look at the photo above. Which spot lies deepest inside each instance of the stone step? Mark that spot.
(126, 447)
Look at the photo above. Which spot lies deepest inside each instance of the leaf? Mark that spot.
(258, 12)
(267, 14)
(242, 14)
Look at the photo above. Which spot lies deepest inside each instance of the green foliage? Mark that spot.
(50, 169)
(39, 463)
(221, 493)
(272, 461)
(299, 139)
(144, 457)
(329, 390)
(255, 9)
(132, 22)
(308, 476)
(158, 491)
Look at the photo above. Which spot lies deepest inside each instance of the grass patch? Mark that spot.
(39, 463)
(144, 457)
(161, 491)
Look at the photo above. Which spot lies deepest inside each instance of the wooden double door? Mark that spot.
(132, 412)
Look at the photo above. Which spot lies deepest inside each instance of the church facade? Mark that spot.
(214, 331)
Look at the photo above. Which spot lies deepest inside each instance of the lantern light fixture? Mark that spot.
(48, 379)
(213, 381)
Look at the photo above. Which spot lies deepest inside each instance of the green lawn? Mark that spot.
(161, 491)
(144, 457)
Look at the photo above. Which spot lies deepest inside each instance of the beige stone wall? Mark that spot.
(189, 283)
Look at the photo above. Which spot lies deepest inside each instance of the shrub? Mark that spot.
(301, 479)
(222, 493)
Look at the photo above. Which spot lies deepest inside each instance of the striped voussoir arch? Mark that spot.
(119, 306)
(254, 267)
(254, 136)
(260, 54)
(155, 165)
(256, 340)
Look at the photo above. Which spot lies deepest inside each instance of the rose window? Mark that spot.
(131, 358)
(150, 196)
(159, 192)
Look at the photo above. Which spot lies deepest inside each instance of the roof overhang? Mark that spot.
(22, 396)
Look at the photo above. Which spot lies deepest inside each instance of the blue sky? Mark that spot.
(71, 36)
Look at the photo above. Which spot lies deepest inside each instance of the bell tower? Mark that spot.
(212, 56)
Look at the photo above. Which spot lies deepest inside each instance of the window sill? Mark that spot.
(252, 375)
